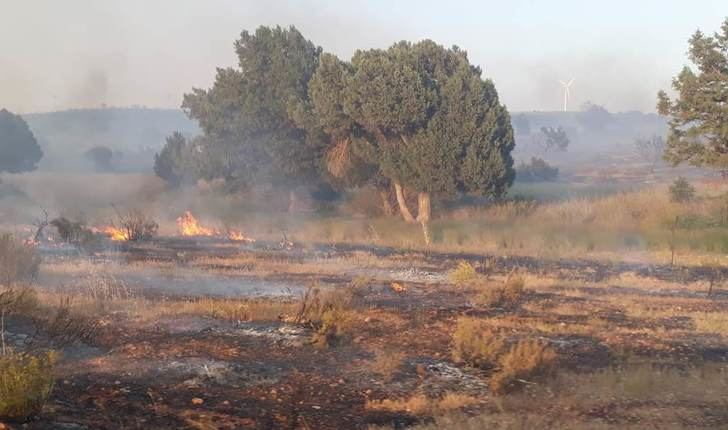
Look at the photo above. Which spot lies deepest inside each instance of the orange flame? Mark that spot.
(115, 234)
(237, 236)
(189, 226)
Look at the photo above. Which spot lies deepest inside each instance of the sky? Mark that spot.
(58, 55)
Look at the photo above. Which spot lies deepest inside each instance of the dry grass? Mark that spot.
(420, 404)
(475, 344)
(711, 322)
(462, 275)
(508, 294)
(18, 262)
(524, 361)
(26, 382)
(386, 363)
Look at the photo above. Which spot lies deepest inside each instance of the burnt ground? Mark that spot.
(197, 371)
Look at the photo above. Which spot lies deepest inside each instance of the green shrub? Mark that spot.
(681, 190)
(26, 382)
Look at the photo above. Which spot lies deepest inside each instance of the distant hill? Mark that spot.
(135, 134)
(592, 137)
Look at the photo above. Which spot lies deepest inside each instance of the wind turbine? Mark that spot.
(567, 94)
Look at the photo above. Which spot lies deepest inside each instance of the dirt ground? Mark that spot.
(158, 361)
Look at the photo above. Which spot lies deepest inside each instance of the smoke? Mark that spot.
(83, 53)
(93, 90)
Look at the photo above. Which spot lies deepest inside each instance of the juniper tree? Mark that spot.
(247, 110)
(19, 151)
(423, 116)
(698, 116)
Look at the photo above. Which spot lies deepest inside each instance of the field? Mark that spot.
(603, 310)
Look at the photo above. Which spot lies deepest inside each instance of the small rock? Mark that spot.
(316, 407)
(197, 401)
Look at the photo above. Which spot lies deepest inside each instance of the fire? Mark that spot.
(115, 234)
(189, 226)
(238, 236)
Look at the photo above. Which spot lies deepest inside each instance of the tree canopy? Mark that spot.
(19, 151)
(422, 115)
(698, 116)
(417, 116)
(246, 112)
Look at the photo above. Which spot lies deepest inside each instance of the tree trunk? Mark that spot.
(403, 209)
(386, 204)
(424, 208)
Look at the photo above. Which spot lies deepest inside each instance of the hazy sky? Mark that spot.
(82, 53)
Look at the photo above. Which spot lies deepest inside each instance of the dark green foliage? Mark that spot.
(536, 171)
(698, 117)
(422, 114)
(19, 151)
(169, 163)
(681, 190)
(246, 115)
(101, 156)
(554, 139)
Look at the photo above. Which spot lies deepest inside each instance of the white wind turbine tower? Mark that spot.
(567, 94)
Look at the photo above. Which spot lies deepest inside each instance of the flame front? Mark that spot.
(115, 234)
(189, 226)
(238, 236)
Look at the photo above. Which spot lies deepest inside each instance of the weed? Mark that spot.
(507, 295)
(387, 363)
(328, 313)
(464, 274)
(419, 404)
(25, 383)
(475, 344)
(525, 360)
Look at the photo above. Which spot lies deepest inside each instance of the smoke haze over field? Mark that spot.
(85, 53)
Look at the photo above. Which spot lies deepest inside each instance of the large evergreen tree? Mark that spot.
(698, 116)
(19, 151)
(423, 115)
(247, 112)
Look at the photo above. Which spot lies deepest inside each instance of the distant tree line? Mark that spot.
(416, 118)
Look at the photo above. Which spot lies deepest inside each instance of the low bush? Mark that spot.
(681, 190)
(475, 344)
(387, 363)
(536, 171)
(328, 313)
(137, 225)
(507, 295)
(463, 274)
(26, 382)
(19, 262)
(527, 359)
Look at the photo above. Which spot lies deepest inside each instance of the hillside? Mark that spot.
(135, 134)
